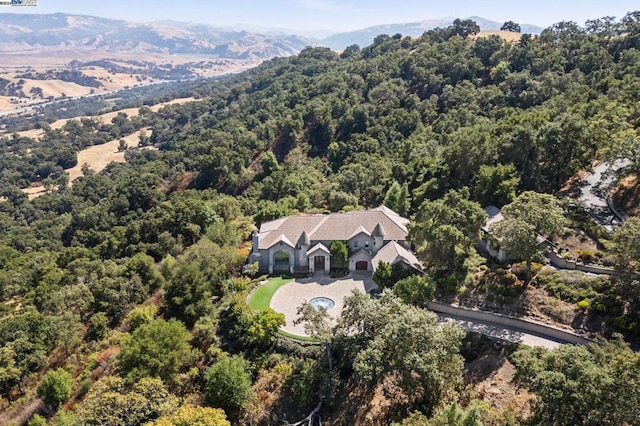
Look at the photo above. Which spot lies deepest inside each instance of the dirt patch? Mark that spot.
(626, 196)
(358, 405)
(571, 187)
(20, 415)
(577, 243)
(499, 391)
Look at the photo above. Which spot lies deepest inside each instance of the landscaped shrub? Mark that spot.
(566, 255)
(584, 304)
(508, 279)
(571, 287)
(450, 284)
(586, 256)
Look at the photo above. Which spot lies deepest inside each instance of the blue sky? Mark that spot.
(335, 14)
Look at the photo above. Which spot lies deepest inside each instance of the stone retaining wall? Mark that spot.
(562, 263)
(543, 330)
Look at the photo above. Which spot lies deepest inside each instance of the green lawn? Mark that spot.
(296, 337)
(261, 298)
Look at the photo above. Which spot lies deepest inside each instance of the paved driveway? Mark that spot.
(292, 295)
(596, 187)
(502, 332)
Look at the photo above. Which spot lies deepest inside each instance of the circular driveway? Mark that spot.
(292, 295)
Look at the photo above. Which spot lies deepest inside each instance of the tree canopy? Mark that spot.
(383, 340)
(228, 384)
(446, 230)
(435, 127)
(581, 385)
(157, 349)
(510, 26)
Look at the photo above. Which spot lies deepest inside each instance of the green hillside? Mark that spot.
(131, 279)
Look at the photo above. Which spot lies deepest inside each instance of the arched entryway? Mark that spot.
(319, 263)
(281, 261)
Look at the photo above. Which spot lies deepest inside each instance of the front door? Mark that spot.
(318, 263)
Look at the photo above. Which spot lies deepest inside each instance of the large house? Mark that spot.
(301, 243)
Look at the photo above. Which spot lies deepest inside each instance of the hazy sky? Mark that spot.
(335, 14)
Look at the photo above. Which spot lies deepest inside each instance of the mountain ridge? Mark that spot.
(365, 36)
(21, 32)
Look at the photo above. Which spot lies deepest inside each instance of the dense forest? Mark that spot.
(124, 300)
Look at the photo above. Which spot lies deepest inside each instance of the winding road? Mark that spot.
(595, 190)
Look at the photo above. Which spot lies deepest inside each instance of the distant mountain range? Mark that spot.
(365, 36)
(40, 33)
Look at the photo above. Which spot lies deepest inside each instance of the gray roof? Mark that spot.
(494, 215)
(318, 247)
(335, 226)
(359, 231)
(393, 253)
(304, 239)
(378, 231)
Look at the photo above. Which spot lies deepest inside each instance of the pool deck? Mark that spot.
(292, 295)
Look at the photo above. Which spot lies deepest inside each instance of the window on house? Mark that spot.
(355, 244)
(366, 244)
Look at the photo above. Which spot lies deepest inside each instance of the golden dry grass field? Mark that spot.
(97, 157)
(15, 64)
(506, 35)
(105, 118)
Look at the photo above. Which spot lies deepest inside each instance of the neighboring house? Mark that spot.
(491, 246)
(494, 215)
(301, 243)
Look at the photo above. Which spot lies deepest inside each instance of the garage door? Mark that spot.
(362, 265)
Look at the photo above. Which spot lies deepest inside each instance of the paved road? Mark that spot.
(503, 333)
(595, 189)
